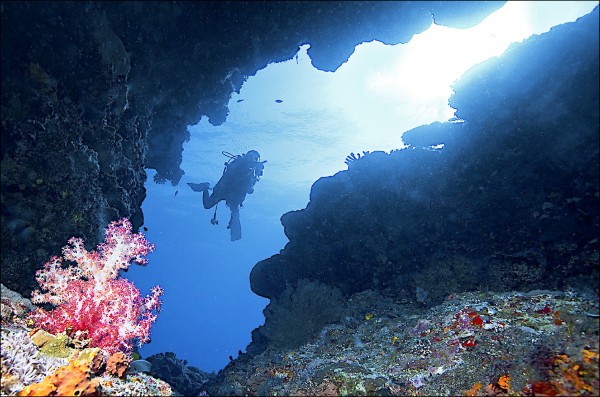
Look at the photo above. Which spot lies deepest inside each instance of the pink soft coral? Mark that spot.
(91, 297)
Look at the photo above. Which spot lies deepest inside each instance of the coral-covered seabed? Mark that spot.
(540, 343)
(476, 344)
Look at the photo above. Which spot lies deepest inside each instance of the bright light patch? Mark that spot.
(413, 80)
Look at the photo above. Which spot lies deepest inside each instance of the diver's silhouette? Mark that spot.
(239, 176)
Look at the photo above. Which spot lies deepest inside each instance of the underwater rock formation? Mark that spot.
(509, 203)
(93, 93)
(300, 312)
(183, 378)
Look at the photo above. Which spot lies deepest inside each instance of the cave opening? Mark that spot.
(304, 122)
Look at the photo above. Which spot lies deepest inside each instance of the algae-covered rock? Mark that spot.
(58, 347)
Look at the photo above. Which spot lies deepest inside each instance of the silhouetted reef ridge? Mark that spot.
(509, 203)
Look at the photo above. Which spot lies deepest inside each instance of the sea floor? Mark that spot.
(541, 343)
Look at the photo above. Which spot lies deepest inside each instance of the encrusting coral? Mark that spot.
(21, 362)
(26, 371)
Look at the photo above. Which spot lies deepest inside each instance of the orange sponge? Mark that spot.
(117, 364)
(70, 380)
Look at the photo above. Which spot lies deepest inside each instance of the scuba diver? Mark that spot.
(239, 176)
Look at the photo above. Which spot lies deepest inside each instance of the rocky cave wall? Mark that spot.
(95, 92)
(509, 203)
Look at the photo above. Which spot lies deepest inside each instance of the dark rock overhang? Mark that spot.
(183, 60)
(94, 93)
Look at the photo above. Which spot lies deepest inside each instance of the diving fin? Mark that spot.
(199, 187)
(235, 227)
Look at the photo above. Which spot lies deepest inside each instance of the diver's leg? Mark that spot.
(209, 201)
(218, 192)
(234, 224)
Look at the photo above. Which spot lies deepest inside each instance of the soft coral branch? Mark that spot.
(91, 296)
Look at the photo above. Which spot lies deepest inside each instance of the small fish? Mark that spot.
(278, 100)
(139, 366)
(176, 191)
(240, 100)
(369, 316)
